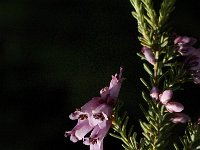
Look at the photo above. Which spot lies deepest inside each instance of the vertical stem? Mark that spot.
(156, 69)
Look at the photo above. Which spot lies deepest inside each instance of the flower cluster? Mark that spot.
(191, 54)
(172, 106)
(95, 116)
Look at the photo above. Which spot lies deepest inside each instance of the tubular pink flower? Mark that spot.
(180, 118)
(95, 115)
(148, 54)
(186, 50)
(79, 131)
(174, 107)
(166, 96)
(185, 40)
(95, 141)
(115, 86)
(154, 93)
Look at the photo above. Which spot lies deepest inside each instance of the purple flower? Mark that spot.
(181, 40)
(115, 85)
(174, 107)
(192, 56)
(95, 141)
(171, 106)
(79, 131)
(95, 115)
(166, 96)
(149, 55)
(180, 118)
(154, 93)
(186, 50)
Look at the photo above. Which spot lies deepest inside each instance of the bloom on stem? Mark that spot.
(183, 40)
(192, 56)
(154, 93)
(149, 55)
(95, 115)
(180, 118)
(166, 96)
(173, 107)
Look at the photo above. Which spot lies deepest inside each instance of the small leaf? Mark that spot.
(147, 69)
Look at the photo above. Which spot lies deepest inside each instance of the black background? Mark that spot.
(57, 54)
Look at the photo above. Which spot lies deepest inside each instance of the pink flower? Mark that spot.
(79, 131)
(180, 118)
(95, 115)
(154, 93)
(192, 56)
(149, 55)
(95, 141)
(115, 86)
(166, 99)
(166, 96)
(186, 50)
(174, 107)
(180, 40)
(101, 115)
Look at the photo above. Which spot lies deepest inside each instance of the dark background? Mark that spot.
(57, 54)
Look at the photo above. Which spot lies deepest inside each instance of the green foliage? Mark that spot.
(166, 73)
(120, 130)
(191, 139)
(157, 131)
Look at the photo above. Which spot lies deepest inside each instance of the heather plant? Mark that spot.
(170, 60)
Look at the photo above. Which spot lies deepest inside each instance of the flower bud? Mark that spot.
(180, 118)
(148, 54)
(174, 107)
(166, 96)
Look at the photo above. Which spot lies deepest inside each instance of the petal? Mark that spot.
(100, 115)
(115, 85)
(79, 131)
(82, 130)
(74, 115)
(104, 92)
(103, 132)
(92, 104)
(95, 146)
(97, 135)
(73, 138)
(166, 96)
(174, 107)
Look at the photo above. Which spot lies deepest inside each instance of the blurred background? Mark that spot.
(55, 55)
